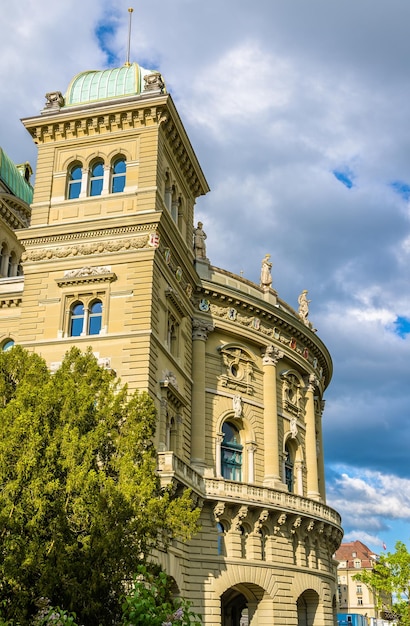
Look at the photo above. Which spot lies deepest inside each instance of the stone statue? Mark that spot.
(237, 406)
(266, 276)
(304, 307)
(199, 242)
(293, 428)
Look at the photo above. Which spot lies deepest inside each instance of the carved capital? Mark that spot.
(312, 383)
(271, 355)
(200, 330)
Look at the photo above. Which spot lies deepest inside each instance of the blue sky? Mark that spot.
(298, 112)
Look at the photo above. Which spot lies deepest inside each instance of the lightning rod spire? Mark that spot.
(127, 62)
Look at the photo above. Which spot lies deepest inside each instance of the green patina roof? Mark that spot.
(97, 85)
(13, 177)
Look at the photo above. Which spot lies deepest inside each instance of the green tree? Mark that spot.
(80, 499)
(390, 581)
(151, 603)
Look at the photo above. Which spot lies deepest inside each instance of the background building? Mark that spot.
(354, 596)
(112, 259)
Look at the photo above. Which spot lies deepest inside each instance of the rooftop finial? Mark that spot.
(127, 62)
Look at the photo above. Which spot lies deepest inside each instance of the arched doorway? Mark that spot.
(239, 605)
(307, 605)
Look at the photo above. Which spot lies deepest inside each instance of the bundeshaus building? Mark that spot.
(107, 253)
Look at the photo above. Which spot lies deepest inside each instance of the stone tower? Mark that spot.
(112, 259)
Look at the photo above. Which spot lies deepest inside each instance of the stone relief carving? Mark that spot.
(239, 369)
(54, 100)
(86, 249)
(293, 428)
(260, 521)
(218, 510)
(237, 406)
(168, 376)
(240, 516)
(291, 394)
(280, 522)
(154, 82)
(232, 314)
(88, 271)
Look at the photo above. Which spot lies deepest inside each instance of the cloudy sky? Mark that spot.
(299, 113)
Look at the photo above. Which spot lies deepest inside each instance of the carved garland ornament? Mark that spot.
(88, 248)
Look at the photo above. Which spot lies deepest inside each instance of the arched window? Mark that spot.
(95, 318)
(75, 174)
(289, 477)
(231, 453)
(7, 345)
(97, 178)
(221, 539)
(77, 319)
(12, 265)
(118, 175)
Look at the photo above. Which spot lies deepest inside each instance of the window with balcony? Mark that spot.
(231, 453)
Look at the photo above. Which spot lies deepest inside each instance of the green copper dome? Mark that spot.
(94, 85)
(13, 177)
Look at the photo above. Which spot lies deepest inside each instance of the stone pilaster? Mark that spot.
(200, 330)
(270, 359)
(311, 446)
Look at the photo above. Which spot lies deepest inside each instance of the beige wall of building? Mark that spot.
(237, 375)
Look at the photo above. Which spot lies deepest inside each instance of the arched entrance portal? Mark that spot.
(239, 605)
(307, 605)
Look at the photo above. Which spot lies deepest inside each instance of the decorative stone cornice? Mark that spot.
(143, 229)
(95, 122)
(14, 211)
(87, 274)
(10, 302)
(172, 393)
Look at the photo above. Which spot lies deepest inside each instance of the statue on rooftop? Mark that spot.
(266, 276)
(199, 242)
(304, 307)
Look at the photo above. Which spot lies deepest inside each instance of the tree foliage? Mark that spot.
(80, 499)
(390, 581)
(151, 603)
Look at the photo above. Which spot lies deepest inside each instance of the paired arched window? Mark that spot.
(75, 174)
(118, 175)
(231, 453)
(85, 321)
(98, 179)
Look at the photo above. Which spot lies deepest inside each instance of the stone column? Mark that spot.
(200, 330)
(270, 418)
(251, 449)
(322, 483)
(310, 444)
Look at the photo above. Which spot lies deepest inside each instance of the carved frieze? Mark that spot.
(273, 332)
(86, 249)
